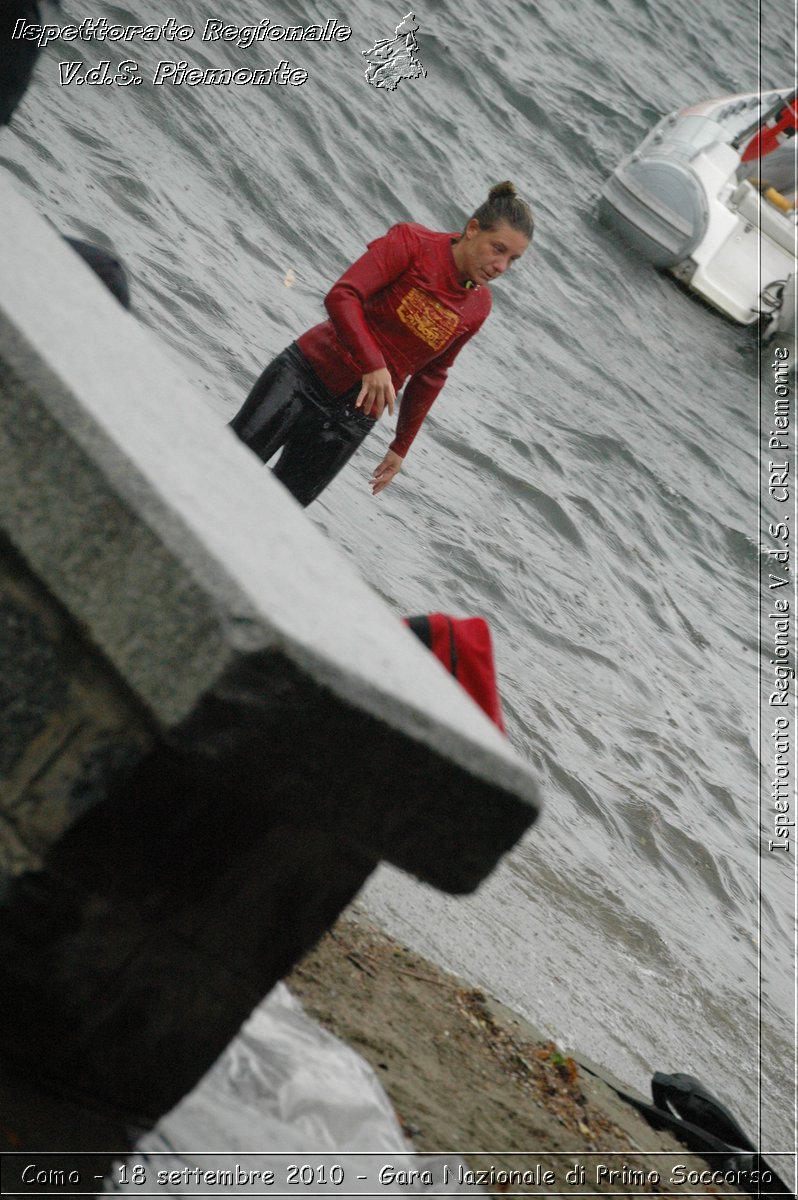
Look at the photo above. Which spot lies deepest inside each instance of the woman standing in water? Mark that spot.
(403, 311)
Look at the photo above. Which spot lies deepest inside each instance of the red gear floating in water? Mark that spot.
(463, 645)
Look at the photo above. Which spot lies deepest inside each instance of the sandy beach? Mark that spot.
(467, 1075)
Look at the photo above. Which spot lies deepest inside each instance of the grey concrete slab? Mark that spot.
(189, 567)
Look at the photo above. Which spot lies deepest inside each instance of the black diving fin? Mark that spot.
(687, 1108)
(688, 1098)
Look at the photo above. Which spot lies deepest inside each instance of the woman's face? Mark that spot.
(485, 254)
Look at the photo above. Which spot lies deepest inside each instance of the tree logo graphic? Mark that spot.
(390, 60)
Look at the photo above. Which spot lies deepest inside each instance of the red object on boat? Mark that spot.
(772, 133)
(463, 645)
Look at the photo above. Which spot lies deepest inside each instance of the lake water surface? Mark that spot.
(589, 480)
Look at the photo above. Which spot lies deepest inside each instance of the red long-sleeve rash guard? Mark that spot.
(400, 306)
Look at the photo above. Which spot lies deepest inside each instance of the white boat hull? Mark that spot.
(682, 200)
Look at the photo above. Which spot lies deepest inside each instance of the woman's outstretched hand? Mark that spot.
(385, 473)
(377, 393)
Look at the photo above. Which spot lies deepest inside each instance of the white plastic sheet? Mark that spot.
(288, 1109)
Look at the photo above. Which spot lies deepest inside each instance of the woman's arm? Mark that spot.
(424, 386)
(385, 473)
(376, 393)
(385, 260)
(417, 400)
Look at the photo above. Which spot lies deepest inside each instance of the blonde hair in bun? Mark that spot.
(504, 204)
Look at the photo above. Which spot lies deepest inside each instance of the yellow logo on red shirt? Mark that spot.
(430, 320)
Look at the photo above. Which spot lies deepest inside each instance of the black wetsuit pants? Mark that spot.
(290, 407)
